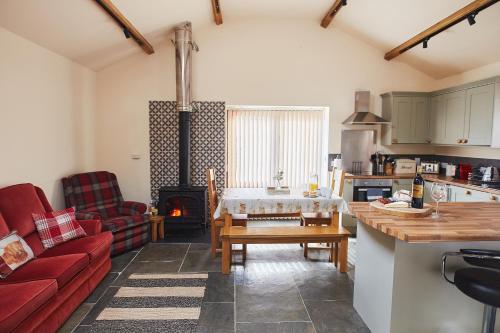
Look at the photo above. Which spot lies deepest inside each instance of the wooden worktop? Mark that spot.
(458, 182)
(431, 178)
(400, 176)
(459, 222)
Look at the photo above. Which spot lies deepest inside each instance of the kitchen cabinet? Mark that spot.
(479, 115)
(464, 115)
(409, 115)
(402, 184)
(454, 104)
(461, 194)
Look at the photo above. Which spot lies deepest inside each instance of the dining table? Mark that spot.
(259, 202)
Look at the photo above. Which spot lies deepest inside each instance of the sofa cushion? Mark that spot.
(19, 300)
(14, 252)
(94, 246)
(124, 222)
(17, 203)
(4, 228)
(58, 227)
(60, 268)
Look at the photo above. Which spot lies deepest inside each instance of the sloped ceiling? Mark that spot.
(80, 30)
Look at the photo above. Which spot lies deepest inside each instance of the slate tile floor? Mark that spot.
(277, 290)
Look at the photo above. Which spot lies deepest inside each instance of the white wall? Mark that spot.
(266, 62)
(47, 106)
(466, 77)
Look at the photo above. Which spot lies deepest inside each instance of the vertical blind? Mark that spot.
(262, 141)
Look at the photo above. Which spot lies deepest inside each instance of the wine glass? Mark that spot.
(438, 193)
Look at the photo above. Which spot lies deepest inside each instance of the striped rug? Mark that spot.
(154, 303)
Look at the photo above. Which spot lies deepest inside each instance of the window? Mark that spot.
(263, 140)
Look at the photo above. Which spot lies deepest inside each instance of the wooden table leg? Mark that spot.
(162, 229)
(214, 239)
(343, 255)
(226, 256)
(154, 231)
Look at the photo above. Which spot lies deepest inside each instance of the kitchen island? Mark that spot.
(398, 285)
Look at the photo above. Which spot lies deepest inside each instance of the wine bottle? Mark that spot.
(417, 196)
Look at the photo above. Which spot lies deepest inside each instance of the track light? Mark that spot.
(126, 33)
(472, 19)
(425, 43)
(344, 2)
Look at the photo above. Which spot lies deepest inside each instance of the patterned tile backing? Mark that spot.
(207, 143)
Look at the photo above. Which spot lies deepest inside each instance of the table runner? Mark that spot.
(258, 201)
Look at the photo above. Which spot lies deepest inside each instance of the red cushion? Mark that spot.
(4, 228)
(58, 227)
(95, 246)
(61, 268)
(19, 300)
(17, 203)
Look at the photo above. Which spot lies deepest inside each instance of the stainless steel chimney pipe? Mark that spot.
(183, 48)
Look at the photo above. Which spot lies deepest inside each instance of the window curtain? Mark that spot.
(261, 142)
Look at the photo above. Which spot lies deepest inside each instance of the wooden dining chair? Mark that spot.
(217, 224)
(326, 218)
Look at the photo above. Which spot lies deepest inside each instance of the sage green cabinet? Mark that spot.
(409, 116)
(464, 115)
(460, 194)
(402, 184)
(479, 115)
(437, 121)
(454, 104)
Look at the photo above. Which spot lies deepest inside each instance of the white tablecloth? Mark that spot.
(258, 201)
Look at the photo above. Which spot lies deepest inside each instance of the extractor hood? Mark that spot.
(362, 115)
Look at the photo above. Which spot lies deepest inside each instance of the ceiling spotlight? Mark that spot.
(425, 43)
(344, 2)
(472, 19)
(127, 33)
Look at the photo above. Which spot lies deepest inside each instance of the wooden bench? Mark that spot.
(289, 234)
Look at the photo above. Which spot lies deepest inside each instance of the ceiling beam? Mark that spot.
(325, 22)
(128, 28)
(217, 12)
(462, 14)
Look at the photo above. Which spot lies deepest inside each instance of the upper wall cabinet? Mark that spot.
(409, 115)
(463, 115)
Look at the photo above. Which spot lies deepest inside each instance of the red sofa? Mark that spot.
(40, 295)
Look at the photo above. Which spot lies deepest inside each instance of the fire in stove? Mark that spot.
(176, 212)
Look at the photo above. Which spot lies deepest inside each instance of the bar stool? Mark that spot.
(481, 284)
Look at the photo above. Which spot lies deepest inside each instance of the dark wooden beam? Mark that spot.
(128, 28)
(217, 12)
(325, 22)
(462, 14)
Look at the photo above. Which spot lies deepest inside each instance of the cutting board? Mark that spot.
(403, 212)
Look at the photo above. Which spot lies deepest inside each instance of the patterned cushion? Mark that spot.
(57, 227)
(124, 222)
(14, 252)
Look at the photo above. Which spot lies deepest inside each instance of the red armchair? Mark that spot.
(40, 295)
(96, 195)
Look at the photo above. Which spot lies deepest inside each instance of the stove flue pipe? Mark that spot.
(184, 46)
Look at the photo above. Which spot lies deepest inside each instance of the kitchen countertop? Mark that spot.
(460, 222)
(401, 176)
(459, 182)
(431, 178)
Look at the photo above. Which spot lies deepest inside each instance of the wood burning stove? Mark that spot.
(184, 206)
